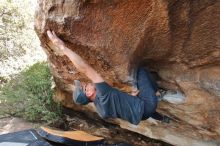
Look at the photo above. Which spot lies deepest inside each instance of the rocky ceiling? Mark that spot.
(177, 40)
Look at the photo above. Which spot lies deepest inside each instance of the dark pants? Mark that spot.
(148, 88)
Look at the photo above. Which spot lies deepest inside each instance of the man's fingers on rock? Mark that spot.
(54, 33)
(49, 34)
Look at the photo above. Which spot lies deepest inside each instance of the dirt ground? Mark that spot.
(13, 124)
(111, 133)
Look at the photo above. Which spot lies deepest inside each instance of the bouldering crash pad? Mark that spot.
(23, 138)
(80, 138)
(51, 137)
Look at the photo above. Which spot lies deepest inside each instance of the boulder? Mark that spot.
(179, 41)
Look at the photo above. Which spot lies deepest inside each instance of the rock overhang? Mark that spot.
(179, 40)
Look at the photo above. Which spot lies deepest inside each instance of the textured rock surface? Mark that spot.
(178, 40)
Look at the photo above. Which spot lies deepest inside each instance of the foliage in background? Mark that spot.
(29, 95)
(19, 44)
(11, 23)
(15, 28)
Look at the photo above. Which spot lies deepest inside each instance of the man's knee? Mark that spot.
(142, 74)
(142, 70)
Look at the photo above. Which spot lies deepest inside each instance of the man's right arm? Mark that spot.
(82, 66)
(78, 62)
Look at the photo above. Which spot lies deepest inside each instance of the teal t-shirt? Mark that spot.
(112, 103)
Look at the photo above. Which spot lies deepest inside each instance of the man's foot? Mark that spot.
(166, 119)
(175, 97)
(172, 96)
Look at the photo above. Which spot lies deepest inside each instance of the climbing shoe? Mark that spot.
(175, 97)
(166, 119)
(171, 96)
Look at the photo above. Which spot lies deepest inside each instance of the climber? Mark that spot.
(110, 102)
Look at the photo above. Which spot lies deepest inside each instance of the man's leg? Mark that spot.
(148, 88)
(147, 92)
(146, 83)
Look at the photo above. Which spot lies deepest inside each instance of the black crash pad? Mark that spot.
(23, 138)
(51, 137)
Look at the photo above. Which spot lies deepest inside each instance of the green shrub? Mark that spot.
(29, 95)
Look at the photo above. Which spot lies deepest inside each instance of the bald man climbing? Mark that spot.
(111, 102)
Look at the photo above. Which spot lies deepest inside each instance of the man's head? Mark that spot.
(84, 93)
(89, 89)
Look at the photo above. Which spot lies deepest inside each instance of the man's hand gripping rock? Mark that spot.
(58, 44)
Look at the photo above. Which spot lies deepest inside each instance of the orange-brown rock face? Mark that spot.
(179, 40)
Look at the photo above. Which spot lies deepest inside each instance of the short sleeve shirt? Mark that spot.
(112, 103)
